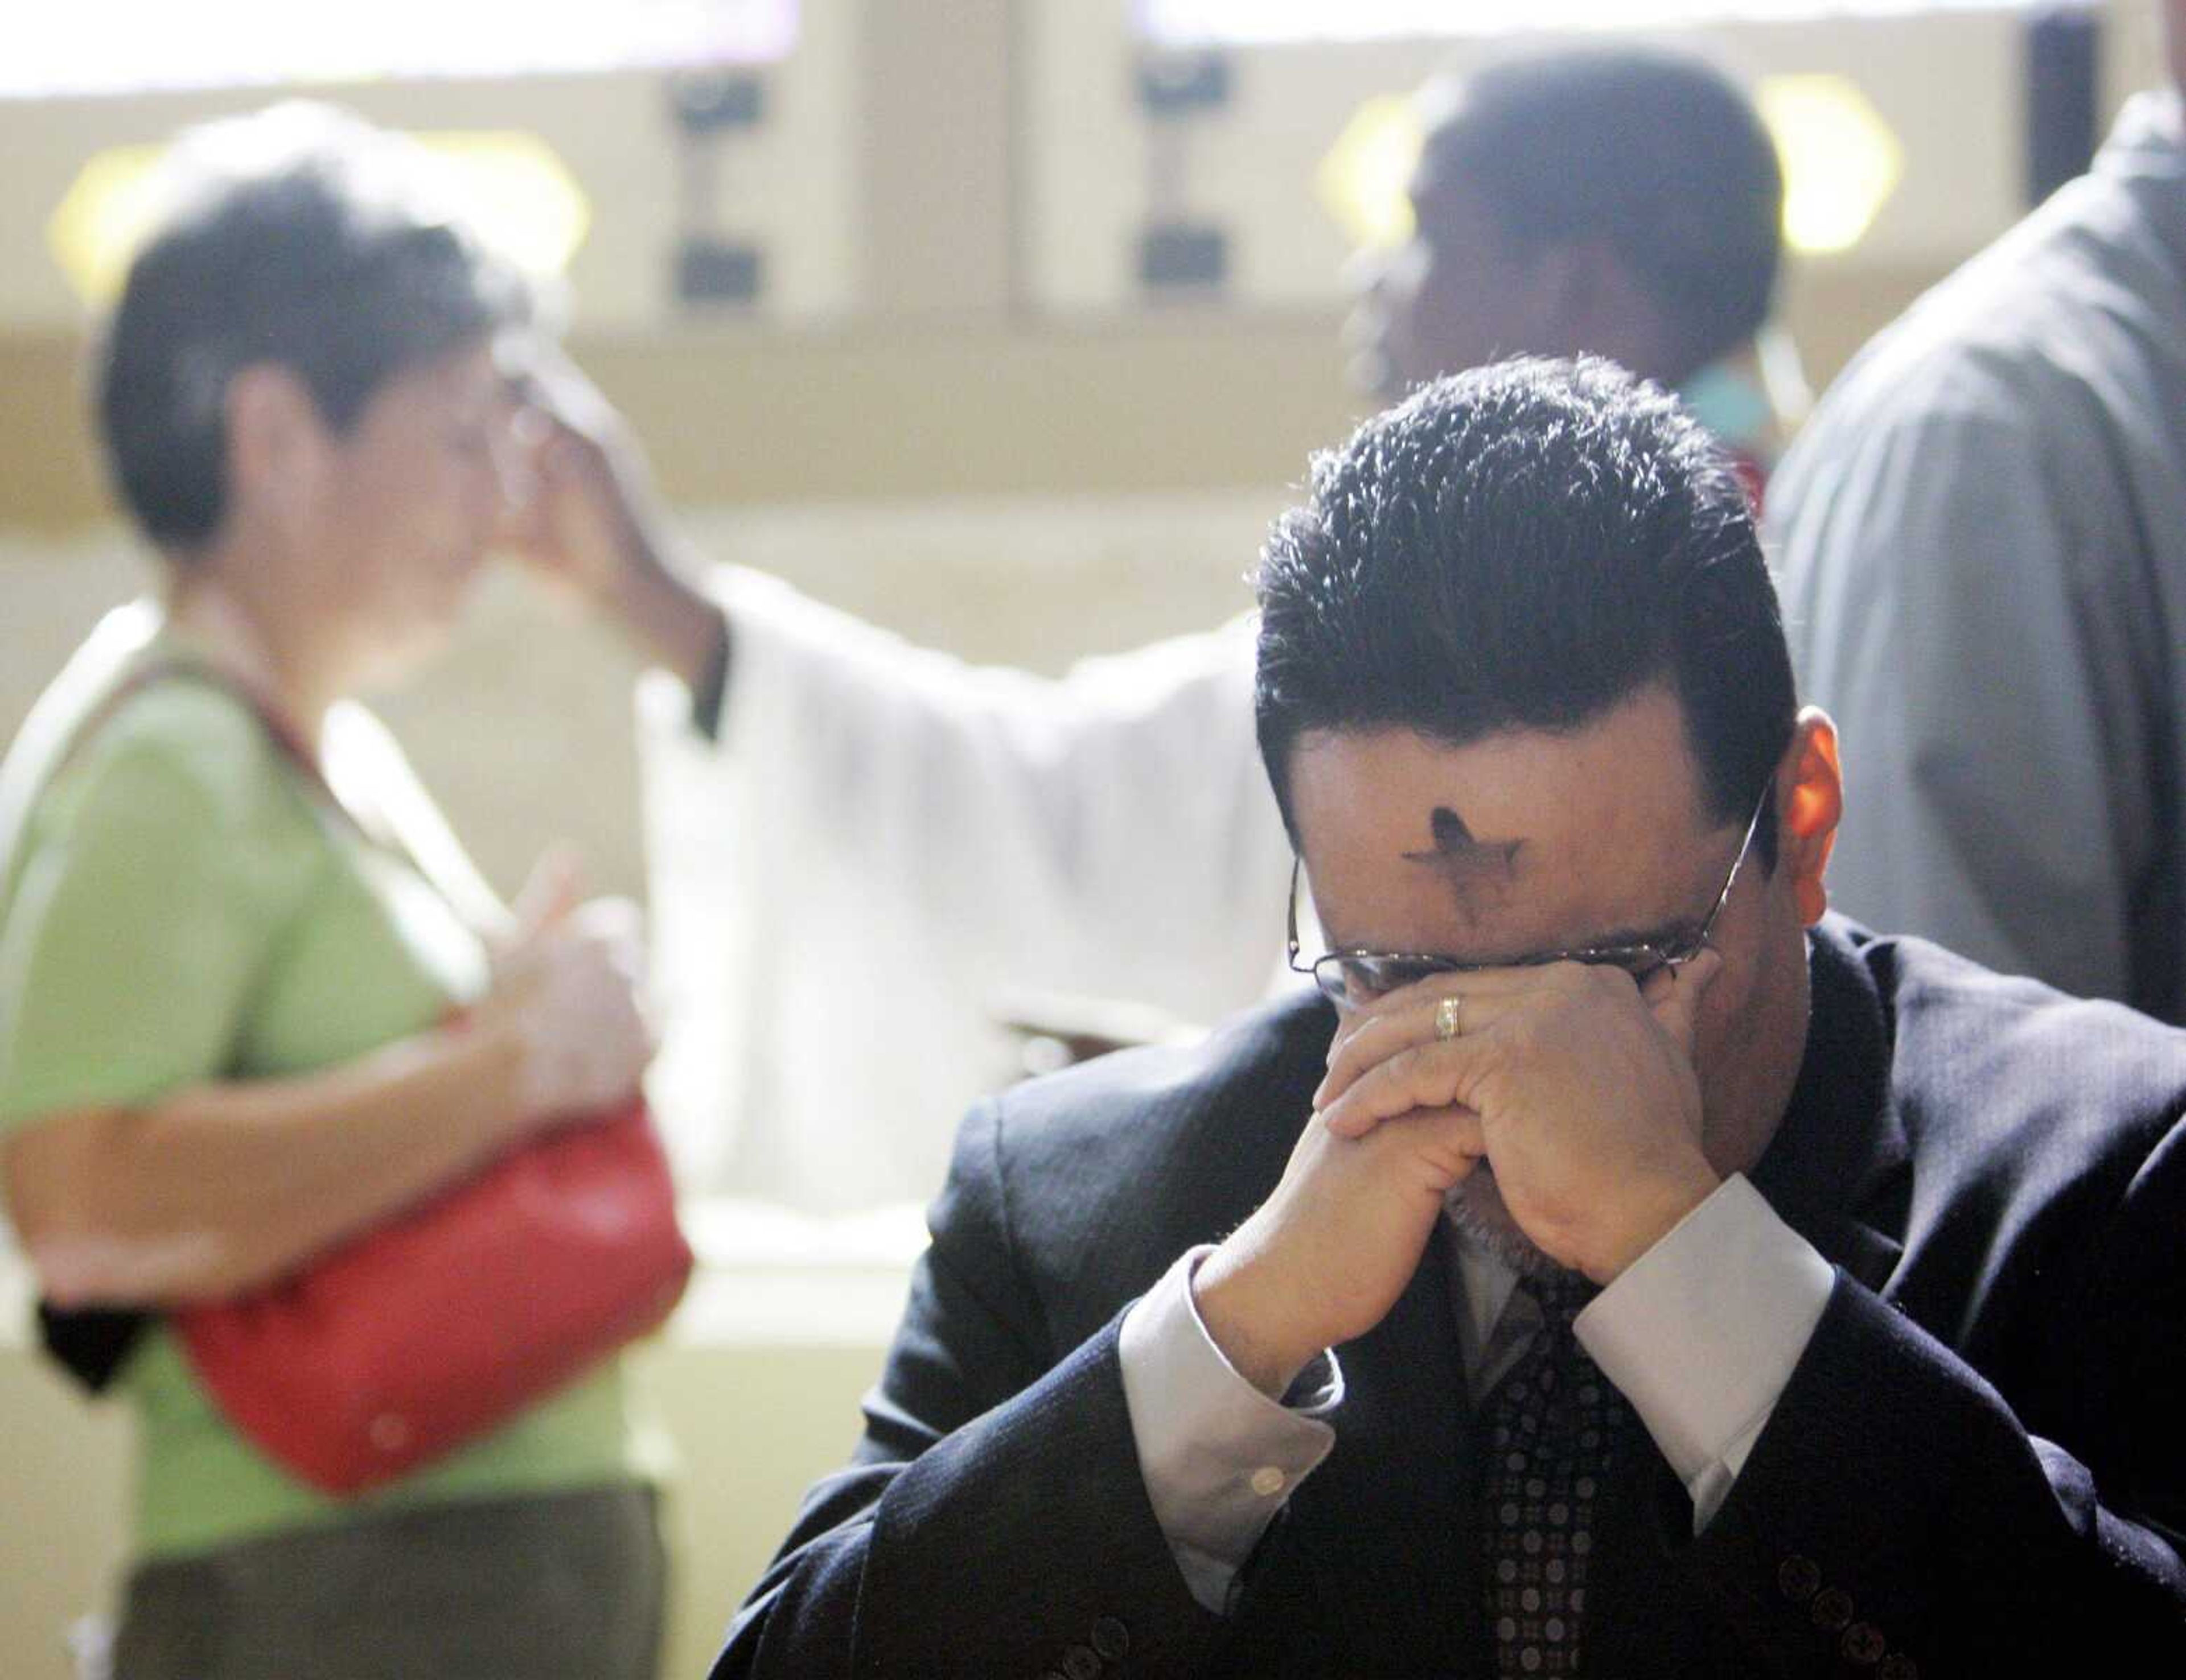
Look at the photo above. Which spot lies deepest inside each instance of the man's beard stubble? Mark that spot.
(1475, 1205)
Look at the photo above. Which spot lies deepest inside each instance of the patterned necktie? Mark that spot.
(1548, 1433)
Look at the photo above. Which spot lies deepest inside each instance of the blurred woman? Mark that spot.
(232, 929)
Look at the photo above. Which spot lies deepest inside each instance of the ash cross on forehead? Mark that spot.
(1466, 861)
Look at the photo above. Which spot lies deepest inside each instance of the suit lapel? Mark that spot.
(1386, 1527)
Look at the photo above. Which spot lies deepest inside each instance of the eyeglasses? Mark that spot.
(1355, 978)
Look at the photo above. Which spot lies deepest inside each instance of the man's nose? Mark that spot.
(1365, 271)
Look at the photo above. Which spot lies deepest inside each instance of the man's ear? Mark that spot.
(1591, 302)
(1559, 285)
(1809, 806)
(276, 443)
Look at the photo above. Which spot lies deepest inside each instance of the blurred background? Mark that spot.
(1008, 325)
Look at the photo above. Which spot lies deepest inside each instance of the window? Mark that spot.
(90, 46)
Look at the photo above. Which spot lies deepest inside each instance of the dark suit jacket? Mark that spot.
(1976, 1470)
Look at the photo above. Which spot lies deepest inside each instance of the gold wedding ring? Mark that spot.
(1446, 1017)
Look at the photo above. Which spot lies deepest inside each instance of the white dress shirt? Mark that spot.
(1700, 1333)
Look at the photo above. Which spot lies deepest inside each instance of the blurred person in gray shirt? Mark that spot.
(1981, 543)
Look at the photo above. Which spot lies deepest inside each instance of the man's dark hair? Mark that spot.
(300, 237)
(1522, 547)
(1660, 156)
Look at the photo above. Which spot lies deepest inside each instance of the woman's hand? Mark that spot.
(566, 991)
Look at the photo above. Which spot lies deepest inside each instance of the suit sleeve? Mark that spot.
(993, 1521)
(1898, 1515)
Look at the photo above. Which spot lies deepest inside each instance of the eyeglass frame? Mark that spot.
(1642, 960)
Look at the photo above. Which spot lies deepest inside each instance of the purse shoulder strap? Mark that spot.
(179, 668)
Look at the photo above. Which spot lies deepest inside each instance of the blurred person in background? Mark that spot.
(227, 963)
(1622, 204)
(860, 848)
(1982, 539)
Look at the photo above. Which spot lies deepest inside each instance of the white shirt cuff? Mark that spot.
(1702, 1331)
(1220, 1457)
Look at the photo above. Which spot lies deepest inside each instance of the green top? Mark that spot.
(181, 906)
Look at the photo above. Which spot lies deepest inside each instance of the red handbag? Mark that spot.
(405, 1343)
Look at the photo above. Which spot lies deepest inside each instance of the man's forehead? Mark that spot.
(1437, 186)
(1440, 108)
(1446, 128)
(1633, 757)
(1521, 820)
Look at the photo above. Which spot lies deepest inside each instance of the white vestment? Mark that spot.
(886, 846)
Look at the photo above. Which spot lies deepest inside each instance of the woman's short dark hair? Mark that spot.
(1522, 547)
(301, 236)
(1658, 154)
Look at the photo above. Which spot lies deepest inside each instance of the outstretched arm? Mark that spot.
(1067, 817)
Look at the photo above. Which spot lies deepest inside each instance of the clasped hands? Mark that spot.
(1573, 1084)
